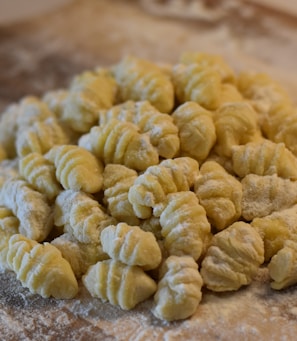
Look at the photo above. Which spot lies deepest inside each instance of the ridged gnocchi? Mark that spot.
(29, 206)
(9, 225)
(41, 268)
(131, 246)
(80, 215)
(220, 194)
(179, 289)
(40, 137)
(264, 158)
(233, 258)
(262, 195)
(152, 187)
(281, 125)
(120, 284)
(88, 93)
(162, 131)
(208, 60)
(30, 110)
(194, 82)
(76, 168)
(283, 266)
(185, 227)
(117, 180)
(79, 255)
(8, 129)
(236, 124)
(121, 143)
(263, 92)
(275, 229)
(196, 130)
(141, 80)
(40, 174)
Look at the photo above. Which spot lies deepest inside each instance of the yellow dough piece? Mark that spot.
(40, 137)
(9, 225)
(162, 131)
(9, 129)
(185, 227)
(40, 174)
(220, 194)
(29, 206)
(55, 100)
(208, 60)
(118, 283)
(131, 246)
(32, 109)
(76, 168)
(283, 266)
(233, 258)
(41, 268)
(8, 170)
(152, 187)
(236, 124)
(263, 92)
(117, 180)
(263, 195)
(179, 289)
(229, 94)
(3, 154)
(81, 215)
(141, 80)
(79, 255)
(264, 158)
(121, 143)
(276, 228)
(281, 125)
(194, 82)
(196, 128)
(88, 93)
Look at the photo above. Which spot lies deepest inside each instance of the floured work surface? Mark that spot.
(44, 54)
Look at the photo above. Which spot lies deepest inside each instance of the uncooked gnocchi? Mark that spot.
(233, 258)
(41, 268)
(76, 168)
(131, 245)
(121, 143)
(151, 187)
(179, 289)
(118, 283)
(220, 194)
(185, 228)
(145, 179)
(196, 130)
(162, 131)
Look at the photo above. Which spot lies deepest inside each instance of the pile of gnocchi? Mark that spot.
(150, 180)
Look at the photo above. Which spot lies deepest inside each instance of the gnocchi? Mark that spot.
(120, 284)
(131, 246)
(185, 228)
(76, 168)
(121, 143)
(141, 80)
(196, 128)
(146, 179)
(233, 258)
(41, 268)
(151, 187)
(179, 289)
(220, 194)
(160, 127)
